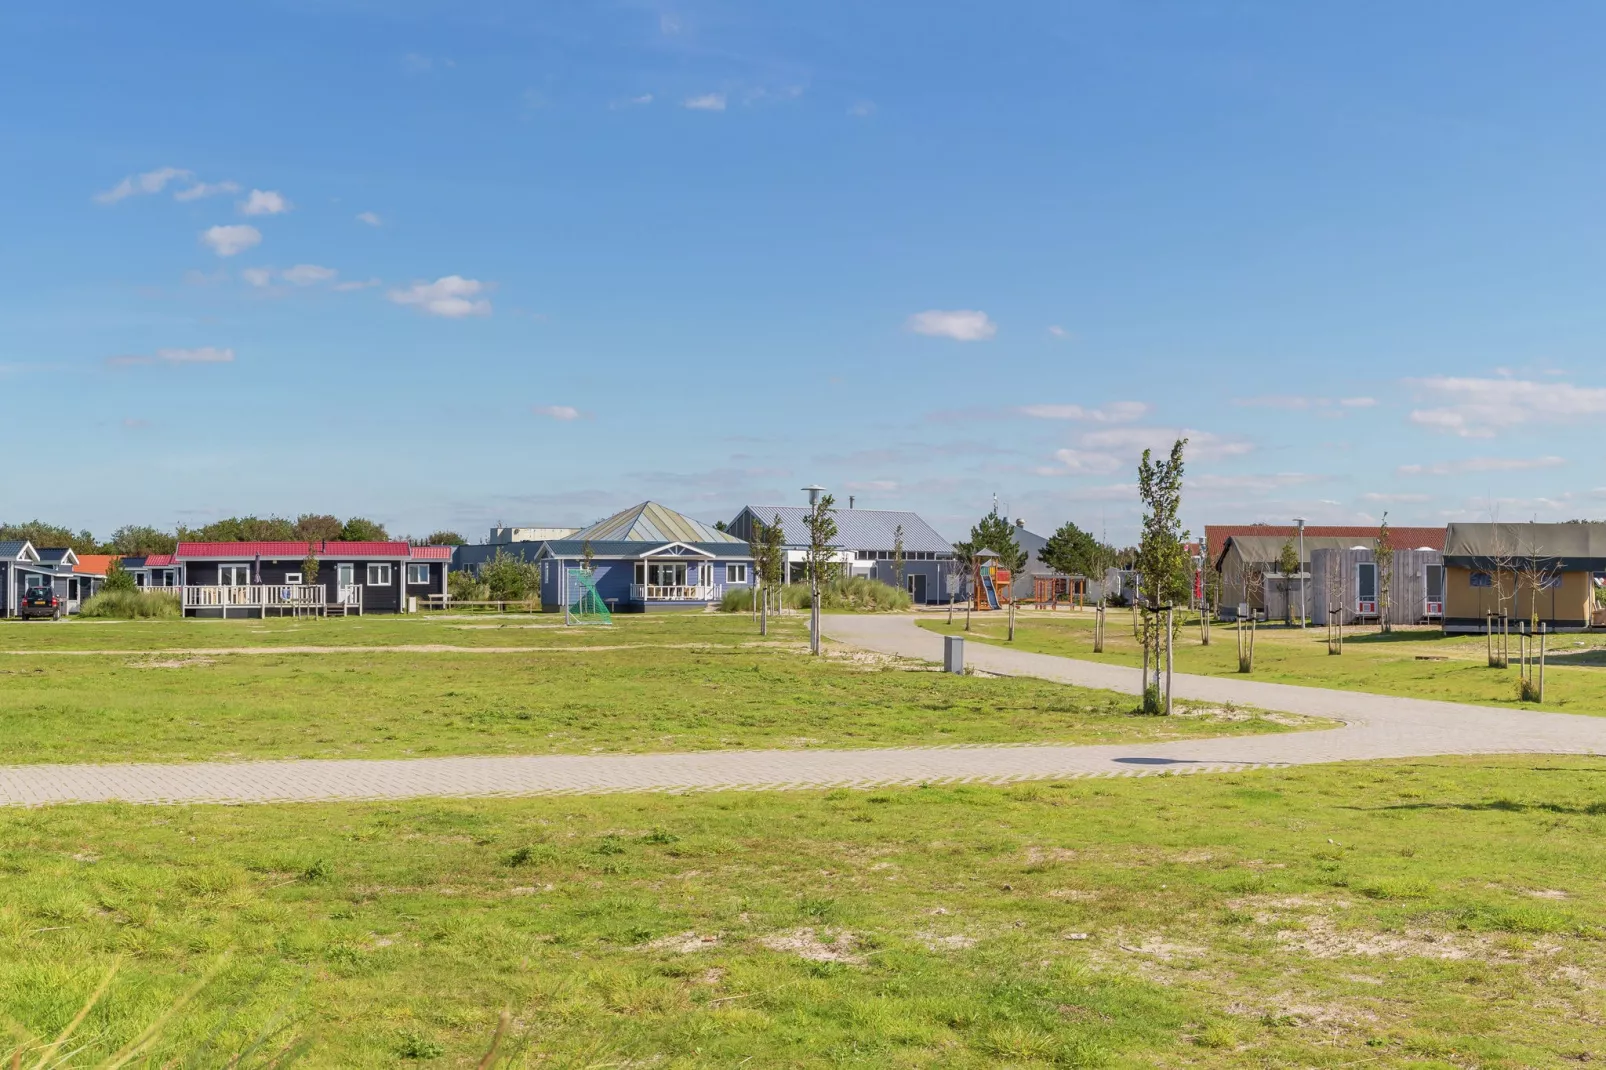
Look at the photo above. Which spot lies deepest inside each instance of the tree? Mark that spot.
(897, 555)
(961, 564)
(510, 579)
(1288, 564)
(361, 529)
(444, 538)
(719, 525)
(1164, 569)
(821, 524)
(997, 534)
(241, 529)
(309, 569)
(317, 527)
(50, 536)
(1385, 574)
(138, 540)
(118, 578)
(587, 555)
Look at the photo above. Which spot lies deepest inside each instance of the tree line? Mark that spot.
(133, 540)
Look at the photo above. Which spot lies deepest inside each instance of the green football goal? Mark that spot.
(586, 605)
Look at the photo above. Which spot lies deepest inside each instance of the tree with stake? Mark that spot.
(1385, 574)
(1164, 569)
(1288, 565)
(897, 555)
(959, 566)
(822, 536)
(758, 547)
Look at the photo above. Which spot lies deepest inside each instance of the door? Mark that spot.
(916, 582)
(1366, 588)
(1435, 578)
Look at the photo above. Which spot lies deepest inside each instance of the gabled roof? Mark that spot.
(236, 551)
(1513, 546)
(616, 550)
(432, 553)
(856, 529)
(18, 550)
(1216, 535)
(58, 555)
(1268, 549)
(650, 522)
(94, 564)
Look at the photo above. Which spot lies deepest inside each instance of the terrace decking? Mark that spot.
(260, 599)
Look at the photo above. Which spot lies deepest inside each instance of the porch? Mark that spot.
(261, 599)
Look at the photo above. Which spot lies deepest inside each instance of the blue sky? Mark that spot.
(449, 265)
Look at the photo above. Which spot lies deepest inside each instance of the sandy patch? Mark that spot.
(1036, 856)
(172, 663)
(1156, 947)
(1289, 1007)
(1548, 893)
(683, 943)
(828, 946)
(954, 942)
(1321, 939)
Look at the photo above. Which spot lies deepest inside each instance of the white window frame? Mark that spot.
(242, 571)
(381, 568)
(736, 573)
(293, 578)
(417, 574)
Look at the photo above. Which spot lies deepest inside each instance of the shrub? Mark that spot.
(510, 578)
(858, 595)
(465, 588)
(119, 579)
(131, 605)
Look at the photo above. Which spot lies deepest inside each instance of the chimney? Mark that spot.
(850, 501)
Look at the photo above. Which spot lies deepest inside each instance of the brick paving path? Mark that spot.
(1375, 727)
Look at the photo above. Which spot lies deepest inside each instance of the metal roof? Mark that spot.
(235, 551)
(617, 549)
(857, 529)
(1216, 535)
(649, 522)
(13, 548)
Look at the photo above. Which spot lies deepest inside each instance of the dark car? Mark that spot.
(39, 602)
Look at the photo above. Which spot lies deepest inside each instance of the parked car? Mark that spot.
(39, 602)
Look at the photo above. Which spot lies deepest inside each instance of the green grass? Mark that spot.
(1427, 914)
(698, 683)
(1395, 664)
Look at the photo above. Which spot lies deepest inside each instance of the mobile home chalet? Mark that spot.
(1551, 571)
(21, 568)
(866, 545)
(225, 579)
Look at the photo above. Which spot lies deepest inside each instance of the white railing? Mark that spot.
(349, 595)
(649, 592)
(253, 596)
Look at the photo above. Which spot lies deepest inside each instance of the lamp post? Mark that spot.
(1301, 522)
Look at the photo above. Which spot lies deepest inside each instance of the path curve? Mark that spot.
(1376, 726)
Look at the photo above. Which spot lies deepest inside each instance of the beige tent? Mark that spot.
(1526, 571)
(1251, 577)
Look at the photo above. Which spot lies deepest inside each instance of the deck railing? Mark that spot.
(649, 592)
(255, 596)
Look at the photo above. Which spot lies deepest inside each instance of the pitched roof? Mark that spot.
(623, 548)
(239, 550)
(432, 553)
(1216, 535)
(1567, 546)
(11, 549)
(158, 560)
(858, 529)
(94, 564)
(55, 554)
(650, 522)
(1268, 549)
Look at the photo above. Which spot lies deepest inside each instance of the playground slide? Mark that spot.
(992, 593)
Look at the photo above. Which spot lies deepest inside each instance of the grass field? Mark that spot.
(1429, 914)
(443, 686)
(1418, 662)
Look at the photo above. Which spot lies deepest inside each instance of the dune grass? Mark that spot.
(1414, 662)
(703, 683)
(1428, 914)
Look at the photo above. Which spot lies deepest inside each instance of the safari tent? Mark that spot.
(1551, 572)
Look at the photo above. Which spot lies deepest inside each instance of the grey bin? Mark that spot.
(953, 654)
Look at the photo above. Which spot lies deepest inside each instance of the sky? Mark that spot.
(455, 265)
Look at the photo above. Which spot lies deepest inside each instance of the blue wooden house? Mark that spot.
(647, 558)
(20, 568)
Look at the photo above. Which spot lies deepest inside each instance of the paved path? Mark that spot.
(1376, 727)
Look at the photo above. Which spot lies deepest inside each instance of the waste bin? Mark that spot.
(953, 654)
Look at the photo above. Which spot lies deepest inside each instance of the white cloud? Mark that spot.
(1357, 403)
(451, 296)
(149, 182)
(371, 218)
(355, 284)
(1402, 499)
(414, 63)
(264, 202)
(1481, 408)
(1111, 492)
(1115, 412)
(206, 189)
(962, 324)
(1481, 464)
(706, 102)
(1057, 331)
(1265, 483)
(1202, 445)
(308, 274)
(1300, 402)
(202, 355)
(1083, 461)
(668, 24)
(257, 276)
(874, 484)
(558, 412)
(861, 109)
(227, 241)
(633, 102)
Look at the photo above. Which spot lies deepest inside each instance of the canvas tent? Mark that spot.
(1534, 573)
(1251, 576)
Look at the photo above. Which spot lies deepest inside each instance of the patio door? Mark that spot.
(916, 582)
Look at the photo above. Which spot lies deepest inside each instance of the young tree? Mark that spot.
(309, 569)
(1385, 574)
(996, 533)
(510, 579)
(587, 555)
(897, 555)
(821, 525)
(118, 578)
(1288, 564)
(960, 564)
(1163, 566)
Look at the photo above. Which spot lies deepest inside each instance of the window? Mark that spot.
(345, 575)
(735, 573)
(379, 575)
(641, 572)
(666, 574)
(234, 575)
(1550, 582)
(1482, 579)
(292, 577)
(417, 573)
(1366, 581)
(139, 579)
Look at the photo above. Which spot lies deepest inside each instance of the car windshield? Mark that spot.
(38, 592)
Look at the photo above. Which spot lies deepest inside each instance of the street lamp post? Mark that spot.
(1301, 522)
